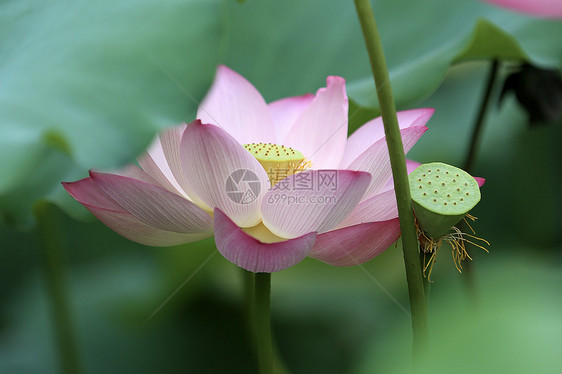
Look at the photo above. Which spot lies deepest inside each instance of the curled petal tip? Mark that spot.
(334, 79)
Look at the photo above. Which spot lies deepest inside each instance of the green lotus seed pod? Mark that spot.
(442, 194)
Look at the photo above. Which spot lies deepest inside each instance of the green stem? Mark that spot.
(414, 275)
(263, 322)
(50, 242)
(249, 296)
(426, 283)
(249, 299)
(484, 105)
(469, 277)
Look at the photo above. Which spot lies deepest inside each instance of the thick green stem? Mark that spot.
(426, 283)
(250, 299)
(414, 275)
(50, 242)
(262, 319)
(248, 279)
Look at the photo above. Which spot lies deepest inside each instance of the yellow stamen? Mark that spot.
(278, 161)
(456, 240)
(263, 234)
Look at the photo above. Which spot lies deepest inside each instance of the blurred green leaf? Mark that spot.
(423, 39)
(96, 80)
(288, 48)
(489, 41)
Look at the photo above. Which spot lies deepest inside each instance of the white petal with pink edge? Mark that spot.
(169, 142)
(380, 207)
(312, 201)
(372, 131)
(222, 173)
(285, 113)
(155, 163)
(153, 205)
(238, 108)
(357, 244)
(150, 167)
(320, 132)
(251, 254)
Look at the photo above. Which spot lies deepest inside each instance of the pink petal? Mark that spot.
(480, 181)
(372, 131)
(410, 166)
(251, 254)
(355, 245)
(113, 216)
(380, 207)
(543, 8)
(312, 201)
(153, 205)
(86, 192)
(214, 162)
(237, 107)
(320, 132)
(285, 113)
(375, 159)
(130, 227)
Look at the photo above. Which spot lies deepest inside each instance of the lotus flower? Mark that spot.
(541, 8)
(273, 182)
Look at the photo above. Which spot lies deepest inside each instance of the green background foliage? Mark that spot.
(88, 84)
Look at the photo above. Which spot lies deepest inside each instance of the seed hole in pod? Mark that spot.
(435, 191)
(429, 171)
(444, 203)
(457, 175)
(437, 176)
(466, 184)
(428, 182)
(455, 203)
(424, 194)
(443, 184)
(448, 195)
(419, 180)
(462, 199)
(458, 190)
(438, 170)
(467, 194)
(454, 181)
(434, 200)
(420, 187)
(446, 172)
(423, 175)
